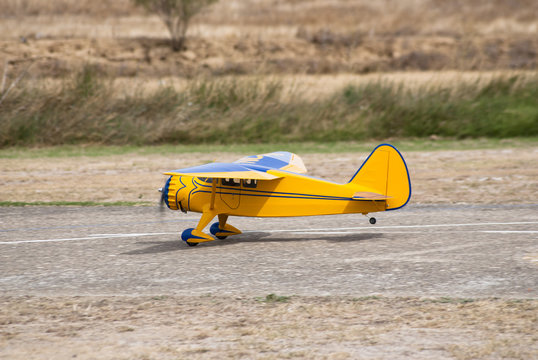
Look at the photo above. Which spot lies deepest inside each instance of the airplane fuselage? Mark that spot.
(291, 195)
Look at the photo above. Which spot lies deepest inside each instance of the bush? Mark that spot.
(176, 15)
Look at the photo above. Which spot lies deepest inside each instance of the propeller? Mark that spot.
(164, 194)
(161, 202)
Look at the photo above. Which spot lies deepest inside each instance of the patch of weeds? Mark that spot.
(7, 335)
(125, 329)
(366, 298)
(198, 351)
(273, 298)
(515, 302)
(160, 297)
(450, 300)
(465, 301)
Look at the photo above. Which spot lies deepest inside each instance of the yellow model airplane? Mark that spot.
(275, 184)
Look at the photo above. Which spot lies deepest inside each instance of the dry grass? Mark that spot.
(212, 327)
(85, 109)
(102, 8)
(321, 86)
(401, 17)
(246, 37)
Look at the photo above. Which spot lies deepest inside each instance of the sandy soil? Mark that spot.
(215, 327)
(441, 177)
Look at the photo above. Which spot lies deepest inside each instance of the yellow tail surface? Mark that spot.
(385, 172)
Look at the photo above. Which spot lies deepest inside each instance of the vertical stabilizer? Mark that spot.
(385, 172)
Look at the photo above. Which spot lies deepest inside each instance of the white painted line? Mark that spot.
(354, 232)
(90, 237)
(510, 231)
(374, 227)
(415, 232)
(325, 232)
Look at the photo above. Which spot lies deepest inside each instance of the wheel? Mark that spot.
(186, 235)
(214, 229)
(372, 220)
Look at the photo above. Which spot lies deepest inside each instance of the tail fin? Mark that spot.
(385, 172)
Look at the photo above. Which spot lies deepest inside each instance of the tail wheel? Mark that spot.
(372, 220)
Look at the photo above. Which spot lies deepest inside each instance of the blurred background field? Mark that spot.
(268, 37)
(260, 71)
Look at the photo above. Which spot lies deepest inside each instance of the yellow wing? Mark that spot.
(224, 171)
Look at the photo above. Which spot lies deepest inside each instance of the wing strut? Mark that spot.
(213, 191)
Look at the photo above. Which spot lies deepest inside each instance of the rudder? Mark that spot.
(385, 172)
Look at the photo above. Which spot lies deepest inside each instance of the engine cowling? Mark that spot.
(170, 192)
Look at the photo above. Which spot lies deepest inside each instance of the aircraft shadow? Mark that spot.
(156, 247)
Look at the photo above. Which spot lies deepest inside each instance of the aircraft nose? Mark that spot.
(164, 192)
(173, 193)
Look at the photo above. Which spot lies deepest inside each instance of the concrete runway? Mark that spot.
(455, 251)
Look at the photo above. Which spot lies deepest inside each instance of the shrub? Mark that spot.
(176, 15)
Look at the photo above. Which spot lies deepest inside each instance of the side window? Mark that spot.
(206, 180)
(231, 182)
(250, 183)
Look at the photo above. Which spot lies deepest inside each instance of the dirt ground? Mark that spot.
(438, 177)
(270, 37)
(221, 327)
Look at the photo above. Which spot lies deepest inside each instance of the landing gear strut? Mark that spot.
(372, 220)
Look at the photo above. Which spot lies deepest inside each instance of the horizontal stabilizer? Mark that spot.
(366, 195)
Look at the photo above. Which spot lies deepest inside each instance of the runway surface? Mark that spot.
(456, 251)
